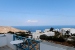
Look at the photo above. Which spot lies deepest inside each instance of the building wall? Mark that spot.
(49, 33)
(72, 31)
(46, 30)
(9, 38)
(52, 46)
(36, 35)
(63, 30)
(38, 31)
(3, 41)
(49, 47)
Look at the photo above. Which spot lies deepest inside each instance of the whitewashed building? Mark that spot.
(63, 30)
(38, 31)
(72, 31)
(56, 29)
(46, 30)
(49, 33)
(36, 35)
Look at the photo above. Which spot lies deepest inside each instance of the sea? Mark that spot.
(42, 28)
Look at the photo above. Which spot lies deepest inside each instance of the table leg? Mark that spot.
(16, 47)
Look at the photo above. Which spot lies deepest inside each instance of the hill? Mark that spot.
(5, 29)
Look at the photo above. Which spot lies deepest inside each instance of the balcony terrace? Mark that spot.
(5, 44)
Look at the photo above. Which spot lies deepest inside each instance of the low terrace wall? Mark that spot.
(2, 40)
(5, 40)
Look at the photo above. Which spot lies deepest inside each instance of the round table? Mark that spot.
(16, 42)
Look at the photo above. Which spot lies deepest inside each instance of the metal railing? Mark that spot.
(28, 43)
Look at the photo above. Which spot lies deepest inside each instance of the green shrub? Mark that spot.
(44, 37)
(66, 36)
(21, 32)
(51, 29)
(73, 34)
(55, 38)
(1, 33)
(70, 42)
(50, 37)
(73, 43)
(23, 35)
(11, 32)
(61, 39)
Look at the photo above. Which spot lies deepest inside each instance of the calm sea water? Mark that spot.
(42, 28)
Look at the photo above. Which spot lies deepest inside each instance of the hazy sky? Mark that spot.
(37, 12)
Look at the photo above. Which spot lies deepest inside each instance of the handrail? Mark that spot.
(28, 43)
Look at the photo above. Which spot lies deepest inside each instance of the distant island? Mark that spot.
(6, 29)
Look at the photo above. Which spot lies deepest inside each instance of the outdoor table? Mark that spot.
(16, 42)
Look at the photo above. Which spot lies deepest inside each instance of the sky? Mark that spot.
(37, 12)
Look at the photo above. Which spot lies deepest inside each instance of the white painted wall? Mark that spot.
(72, 31)
(46, 30)
(52, 46)
(49, 33)
(38, 31)
(3, 41)
(63, 30)
(36, 35)
(56, 29)
(49, 47)
(9, 38)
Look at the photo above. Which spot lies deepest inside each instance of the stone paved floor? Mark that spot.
(5, 48)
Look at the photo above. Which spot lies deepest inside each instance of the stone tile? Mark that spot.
(5, 48)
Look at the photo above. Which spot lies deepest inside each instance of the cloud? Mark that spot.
(32, 21)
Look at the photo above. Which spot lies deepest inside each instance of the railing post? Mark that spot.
(28, 43)
(38, 42)
(20, 37)
(14, 36)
